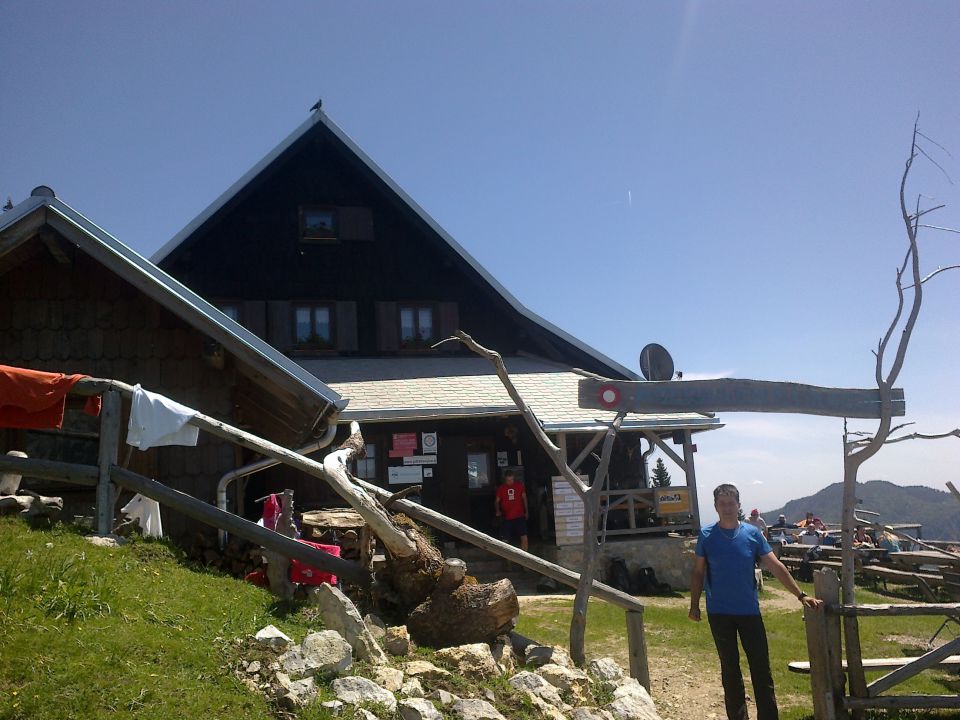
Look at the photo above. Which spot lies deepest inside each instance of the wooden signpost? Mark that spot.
(731, 395)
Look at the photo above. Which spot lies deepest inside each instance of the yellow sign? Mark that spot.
(672, 501)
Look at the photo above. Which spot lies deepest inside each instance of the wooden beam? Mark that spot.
(917, 666)
(900, 609)
(586, 451)
(892, 663)
(86, 475)
(206, 513)
(953, 489)
(732, 395)
(637, 648)
(690, 473)
(904, 701)
(110, 413)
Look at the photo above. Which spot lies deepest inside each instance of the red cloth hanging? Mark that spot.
(34, 399)
(305, 574)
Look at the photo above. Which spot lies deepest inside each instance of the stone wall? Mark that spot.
(670, 557)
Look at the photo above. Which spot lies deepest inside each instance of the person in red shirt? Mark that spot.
(510, 506)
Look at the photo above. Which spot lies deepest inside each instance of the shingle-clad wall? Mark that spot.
(80, 317)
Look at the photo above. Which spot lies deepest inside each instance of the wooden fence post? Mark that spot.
(637, 648)
(819, 638)
(107, 457)
(826, 584)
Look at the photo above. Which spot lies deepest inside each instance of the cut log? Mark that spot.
(31, 505)
(461, 612)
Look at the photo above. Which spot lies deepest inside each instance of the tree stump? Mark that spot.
(460, 612)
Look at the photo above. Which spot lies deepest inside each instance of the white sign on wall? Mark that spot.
(420, 460)
(429, 442)
(404, 474)
(567, 512)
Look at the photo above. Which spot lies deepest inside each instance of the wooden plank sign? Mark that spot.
(732, 395)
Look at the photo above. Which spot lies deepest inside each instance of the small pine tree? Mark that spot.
(661, 477)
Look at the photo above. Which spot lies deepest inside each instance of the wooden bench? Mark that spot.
(951, 662)
(793, 563)
(903, 577)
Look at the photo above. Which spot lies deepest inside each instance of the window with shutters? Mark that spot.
(313, 326)
(418, 329)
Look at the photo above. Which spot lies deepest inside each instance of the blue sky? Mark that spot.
(720, 178)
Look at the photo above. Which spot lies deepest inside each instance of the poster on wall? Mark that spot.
(502, 460)
(420, 460)
(429, 441)
(404, 474)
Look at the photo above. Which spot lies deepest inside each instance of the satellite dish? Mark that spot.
(656, 363)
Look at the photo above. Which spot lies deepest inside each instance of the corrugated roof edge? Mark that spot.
(133, 259)
(320, 116)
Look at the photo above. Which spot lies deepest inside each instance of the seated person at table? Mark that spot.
(889, 542)
(810, 535)
(861, 539)
(808, 520)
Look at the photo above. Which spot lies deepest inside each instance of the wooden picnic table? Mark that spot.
(914, 558)
(832, 552)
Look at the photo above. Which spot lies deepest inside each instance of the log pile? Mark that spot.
(343, 527)
(238, 558)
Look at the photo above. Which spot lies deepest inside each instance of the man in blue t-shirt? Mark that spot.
(727, 553)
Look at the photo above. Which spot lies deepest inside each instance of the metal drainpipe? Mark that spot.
(263, 464)
(643, 461)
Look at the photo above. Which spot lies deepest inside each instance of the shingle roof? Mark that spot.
(386, 389)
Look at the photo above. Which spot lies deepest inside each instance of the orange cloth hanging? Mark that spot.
(34, 399)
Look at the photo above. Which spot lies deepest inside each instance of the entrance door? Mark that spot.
(480, 478)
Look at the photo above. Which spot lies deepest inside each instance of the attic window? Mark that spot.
(318, 224)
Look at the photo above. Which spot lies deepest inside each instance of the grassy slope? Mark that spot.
(87, 631)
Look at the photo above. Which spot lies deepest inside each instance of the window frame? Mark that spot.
(328, 344)
(417, 344)
(319, 236)
(374, 460)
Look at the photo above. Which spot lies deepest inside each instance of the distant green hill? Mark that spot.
(936, 510)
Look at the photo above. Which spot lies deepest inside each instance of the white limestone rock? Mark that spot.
(355, 690)
(396, 641)
(340, 614)
(418, 709)
(387, 677)
(533, 684)
(475, 709)
(271, 637)
(575, 681)
(294, 694)
(539, 655)
(426, 670)
(631, 701)
(473, 661)
(326, 653)
(412, 688)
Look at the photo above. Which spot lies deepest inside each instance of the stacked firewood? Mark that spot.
(343, 527)
(238, 558)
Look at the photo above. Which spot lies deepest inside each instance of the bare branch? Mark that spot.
(945, 174)
(937, 227)
(913, 436)
(921, 213)
(927, 137)
(533, 422)
(935, 273)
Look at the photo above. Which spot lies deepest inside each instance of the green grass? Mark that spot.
(86, 631)
(671, 635)
(133, 632)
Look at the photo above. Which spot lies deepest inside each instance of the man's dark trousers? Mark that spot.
(725, 629)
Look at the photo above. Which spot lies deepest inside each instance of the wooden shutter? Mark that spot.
(279, 321)
(356, 223)
(448, 323)
(346, 326)
(254, 317)
(388, 334)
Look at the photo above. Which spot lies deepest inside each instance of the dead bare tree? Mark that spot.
(589, 493)
(859, 451)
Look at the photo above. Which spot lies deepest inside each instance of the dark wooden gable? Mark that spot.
(382, 255)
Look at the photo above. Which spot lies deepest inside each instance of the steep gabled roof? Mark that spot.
(320, 121)
(23, 221)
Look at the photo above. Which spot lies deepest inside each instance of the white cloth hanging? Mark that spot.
(147, 511)
(157, 420)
